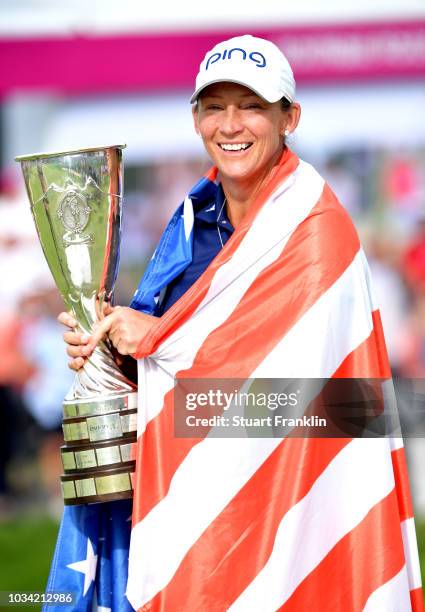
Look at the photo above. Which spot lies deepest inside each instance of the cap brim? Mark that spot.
(267, 98)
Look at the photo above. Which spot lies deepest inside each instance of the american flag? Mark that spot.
(259, 524)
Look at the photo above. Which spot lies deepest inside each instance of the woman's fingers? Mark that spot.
(125, 328)
(75, 351)
(76, 364)
(108, 309)
(99, 334)
(75, 338)
(75, 341)
(67, 319)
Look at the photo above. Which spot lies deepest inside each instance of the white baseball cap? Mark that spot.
(254, 62)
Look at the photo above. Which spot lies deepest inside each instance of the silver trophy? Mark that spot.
(76, 201)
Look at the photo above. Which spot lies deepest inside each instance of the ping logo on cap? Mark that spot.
(255, 56)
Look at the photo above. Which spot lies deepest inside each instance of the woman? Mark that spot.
(243, 117)
(274, 284)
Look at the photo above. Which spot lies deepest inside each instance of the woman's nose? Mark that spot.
(231, 121)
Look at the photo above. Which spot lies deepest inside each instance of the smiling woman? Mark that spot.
(244, 135)
(259, 275)
(243, 109)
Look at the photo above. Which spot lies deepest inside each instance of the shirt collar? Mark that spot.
(214, 212)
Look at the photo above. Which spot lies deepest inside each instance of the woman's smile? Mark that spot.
(235, 146)
(242, 133)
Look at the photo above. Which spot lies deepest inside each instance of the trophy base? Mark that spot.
(98, 455)
(83, 407)
(96, 487)
(106, 455)
(111, 426)
(80, 501)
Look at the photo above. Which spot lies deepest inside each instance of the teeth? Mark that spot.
(235, 147)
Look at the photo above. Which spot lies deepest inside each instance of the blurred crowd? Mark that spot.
(383, 191)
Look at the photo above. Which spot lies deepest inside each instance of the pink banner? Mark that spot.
(150, 62)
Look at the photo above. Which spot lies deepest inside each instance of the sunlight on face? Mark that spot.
(242, 133)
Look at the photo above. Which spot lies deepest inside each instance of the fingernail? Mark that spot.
(85, 338)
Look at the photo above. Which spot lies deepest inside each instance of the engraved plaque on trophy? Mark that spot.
(76, 199)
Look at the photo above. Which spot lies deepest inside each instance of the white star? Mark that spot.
(86, 567)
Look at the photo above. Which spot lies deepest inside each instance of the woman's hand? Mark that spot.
(75, 341)
(125, 328)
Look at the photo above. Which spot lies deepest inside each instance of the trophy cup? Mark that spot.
(75, 199)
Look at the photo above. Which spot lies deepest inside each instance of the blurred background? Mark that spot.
(86, 73)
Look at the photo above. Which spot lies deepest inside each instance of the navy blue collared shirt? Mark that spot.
(210, 223)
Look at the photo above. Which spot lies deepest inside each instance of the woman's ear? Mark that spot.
(293, 115)
(195, 116)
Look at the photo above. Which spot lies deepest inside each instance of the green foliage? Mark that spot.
(420, 532)
(26, 549)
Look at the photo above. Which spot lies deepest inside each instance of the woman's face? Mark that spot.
(242, 133)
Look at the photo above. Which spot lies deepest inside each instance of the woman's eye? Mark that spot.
(253, 105)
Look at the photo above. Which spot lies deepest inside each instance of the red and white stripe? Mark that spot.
(268, 524)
